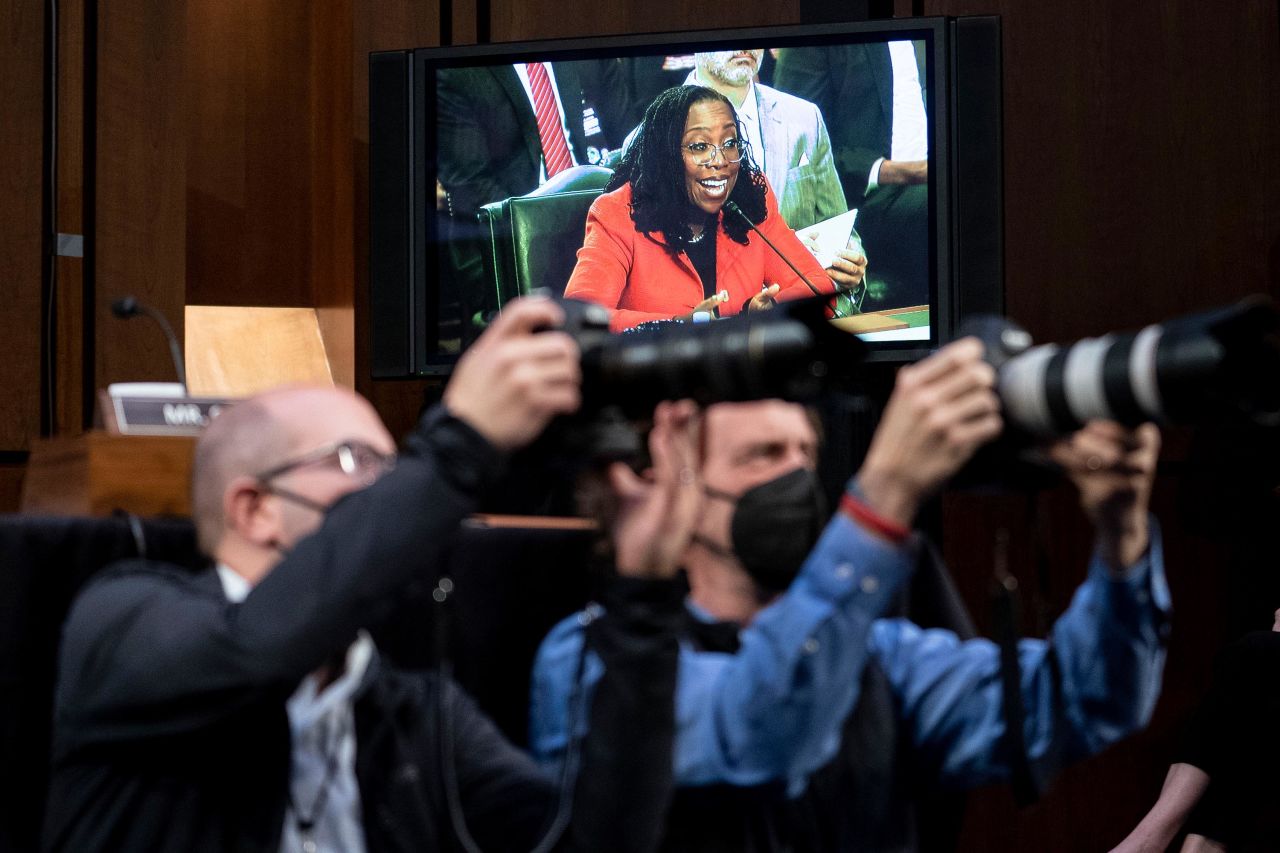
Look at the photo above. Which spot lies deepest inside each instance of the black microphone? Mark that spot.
(732, 207)
(129, 306)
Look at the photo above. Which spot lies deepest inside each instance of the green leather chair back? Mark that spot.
(533, 239)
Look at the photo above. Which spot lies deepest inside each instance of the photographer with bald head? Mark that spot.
(244, 708)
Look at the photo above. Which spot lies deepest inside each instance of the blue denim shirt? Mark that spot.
(775, 709)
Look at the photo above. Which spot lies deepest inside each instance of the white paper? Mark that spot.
(826, 238)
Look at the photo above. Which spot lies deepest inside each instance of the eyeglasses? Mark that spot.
(353, 458)
(702, 153)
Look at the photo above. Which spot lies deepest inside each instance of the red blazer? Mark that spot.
(635, 274)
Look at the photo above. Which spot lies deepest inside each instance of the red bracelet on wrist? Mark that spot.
(873, 521)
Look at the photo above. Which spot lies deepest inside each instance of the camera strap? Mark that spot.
(1004, 602)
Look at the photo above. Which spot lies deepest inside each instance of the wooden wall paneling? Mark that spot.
(333, 184)
(279, 148)
(21, 185)
(216, 129)
(251, 146)
(833, 11)
(270, 190)
(517, 20)
(466, 21)
(381, 26)
(1140, 174)
(140, 175)
(393, 25)
(69, 376)
(11, 476)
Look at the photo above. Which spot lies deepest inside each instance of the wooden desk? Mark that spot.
(97, 473)
(878, 321)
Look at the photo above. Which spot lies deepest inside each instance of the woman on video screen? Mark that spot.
(659, 243)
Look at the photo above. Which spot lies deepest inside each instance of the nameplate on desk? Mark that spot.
(160, 415)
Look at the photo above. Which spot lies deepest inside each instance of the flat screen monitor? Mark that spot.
(874, 140)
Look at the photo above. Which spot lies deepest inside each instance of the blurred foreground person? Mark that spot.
(245, 709)
(810, 721)
(1222, 788)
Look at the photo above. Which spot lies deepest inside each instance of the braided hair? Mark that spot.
(654, 166)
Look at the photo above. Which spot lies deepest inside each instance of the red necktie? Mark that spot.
(555, 151)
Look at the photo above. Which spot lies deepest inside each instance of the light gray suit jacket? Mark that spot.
(797, 158)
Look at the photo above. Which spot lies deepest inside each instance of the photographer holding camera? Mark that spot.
(244, 708)
(808, 720)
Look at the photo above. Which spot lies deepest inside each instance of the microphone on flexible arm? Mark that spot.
(129, 306)
(732, 207)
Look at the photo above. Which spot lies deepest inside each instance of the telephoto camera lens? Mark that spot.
(1217, 364)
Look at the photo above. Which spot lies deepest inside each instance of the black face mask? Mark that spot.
(295, 498)
(775, 525)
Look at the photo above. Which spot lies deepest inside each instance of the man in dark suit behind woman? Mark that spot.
(490, 149)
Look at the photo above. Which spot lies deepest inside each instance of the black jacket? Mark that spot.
(1234, 739)
(488, 134)
(171, 731)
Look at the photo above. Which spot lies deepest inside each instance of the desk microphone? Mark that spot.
(129, 306)
(732, 207)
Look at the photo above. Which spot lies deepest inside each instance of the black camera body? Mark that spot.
(790, 352)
